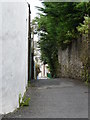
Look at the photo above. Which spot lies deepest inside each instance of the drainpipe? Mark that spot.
(29, 44)
(32, 52)
(89, 50)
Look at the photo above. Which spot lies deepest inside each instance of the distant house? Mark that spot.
(37, 58)
(14, 53)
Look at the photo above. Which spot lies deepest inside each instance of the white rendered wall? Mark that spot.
(0, 58)
(14, 53)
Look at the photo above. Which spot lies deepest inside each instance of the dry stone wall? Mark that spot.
(73, 60)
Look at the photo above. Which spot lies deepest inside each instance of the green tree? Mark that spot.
(57, 27)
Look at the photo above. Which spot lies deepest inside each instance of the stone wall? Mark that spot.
(73, 60)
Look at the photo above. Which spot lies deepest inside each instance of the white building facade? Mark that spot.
(37, 58)
(13, 54)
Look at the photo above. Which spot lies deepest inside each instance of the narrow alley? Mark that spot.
(44, 59)
(55, 98)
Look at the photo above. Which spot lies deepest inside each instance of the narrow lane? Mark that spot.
(55, 98)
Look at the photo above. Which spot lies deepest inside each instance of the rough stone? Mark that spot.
(73, 60)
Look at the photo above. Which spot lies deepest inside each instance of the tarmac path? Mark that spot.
(55, 98)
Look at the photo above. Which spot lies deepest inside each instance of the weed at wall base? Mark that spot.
(23, 101)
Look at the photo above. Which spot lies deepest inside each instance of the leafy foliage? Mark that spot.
(23, 101)
(83, 28)
(57, 28)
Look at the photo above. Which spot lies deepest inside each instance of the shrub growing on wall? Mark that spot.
(83, 28)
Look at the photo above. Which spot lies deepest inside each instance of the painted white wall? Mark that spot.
(41, 74)
(37, 56)
(14, 53)
(0, 58)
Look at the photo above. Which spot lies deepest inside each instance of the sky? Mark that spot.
(34, 3)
